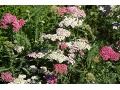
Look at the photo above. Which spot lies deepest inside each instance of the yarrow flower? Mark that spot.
(72, 10)
(21, 79)
(62, 10)
(53, 37)
(51, 79)
(63, 32)
(79, 44)
(71, 21)
(7, 76)
(22, 76)
(11, 19)
(19, 49)
(71, 58)
(33, 55)
(57, 56)
(60, 68)
(60, 35)
(36, 55)
(63, 45)
(108, 53)
(76, 12)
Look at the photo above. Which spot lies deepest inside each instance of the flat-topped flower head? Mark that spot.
(11, 19)
(74, 10)
(62, 10)
(108, 53)
(70, 21)
(63, 32)
(7, 76)
(60, 68)
(33, 55)
(57, 56)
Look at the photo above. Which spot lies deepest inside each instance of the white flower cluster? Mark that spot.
(53, 37)
(19, 49)
(58, 56)
(71, 21)
(79, 44)
(82, 44)
(40, 54)
(36, 55)
(60, 35)
(54, 55)
(21, 80)
(63, 32)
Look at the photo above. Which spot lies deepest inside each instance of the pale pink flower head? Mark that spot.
(80, 13)
(33, 55)
(60, 68)
(63, 45)
(71, 58)
(7, 76)
(76, 12)
(72, 9)
(62, 10)
(63, 32)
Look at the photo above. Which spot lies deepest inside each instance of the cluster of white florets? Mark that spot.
(70, 21)
(58, 56)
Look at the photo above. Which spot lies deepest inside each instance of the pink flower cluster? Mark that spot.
(7, 76)
(33, 55)
(76, 11)
(73, 10)
(11, 19)
(60, 68)
(62, 10)
(108, 53)
(63, 45)
(63, 32)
